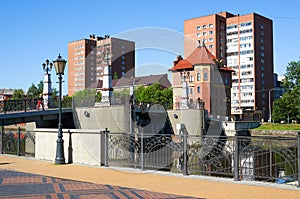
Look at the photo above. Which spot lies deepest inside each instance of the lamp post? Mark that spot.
(59, 65)
(47, 93)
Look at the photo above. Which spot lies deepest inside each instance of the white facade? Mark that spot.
(240, 57)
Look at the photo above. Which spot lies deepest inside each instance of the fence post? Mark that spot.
(25, 102)
(298, 147)
(236, 158)
(1, 137)
(184, 170)
(106, 147)
(4, 106)
(19, 142)
(142, 149)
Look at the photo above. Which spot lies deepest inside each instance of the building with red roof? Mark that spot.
(206, 79)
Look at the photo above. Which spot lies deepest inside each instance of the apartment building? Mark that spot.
(245, 44)
(87, 59)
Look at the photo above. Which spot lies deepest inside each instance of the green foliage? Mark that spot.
(288, 106)
(85, 93)
(18, 94)
(124, 93)
(54, 92)
(40, 87)
(66, 102)
(115, 76)
(274, 126)
(98, 96)
(33, 92)
(154, 94)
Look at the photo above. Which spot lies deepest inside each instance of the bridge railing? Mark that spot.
(29, 104)
(22, 105)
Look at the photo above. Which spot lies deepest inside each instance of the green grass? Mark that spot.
(274, 126)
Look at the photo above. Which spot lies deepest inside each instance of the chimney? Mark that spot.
(178, 58)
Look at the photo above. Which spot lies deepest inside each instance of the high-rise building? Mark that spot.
(88, 57)
(244, 43)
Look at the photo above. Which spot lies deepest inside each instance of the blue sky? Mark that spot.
(34, 30)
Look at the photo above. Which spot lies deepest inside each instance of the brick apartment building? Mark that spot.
(245, 44)
(88, 57)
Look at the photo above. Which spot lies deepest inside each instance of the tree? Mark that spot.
(54, 92)
(33, 92)
(86, 93)
(288, 106)
(18, 94)
(40, 87)
(155, 94)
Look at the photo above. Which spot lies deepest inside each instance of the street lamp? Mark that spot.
(47, 93)
(59, 65)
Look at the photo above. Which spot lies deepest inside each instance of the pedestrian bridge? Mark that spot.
(39, 116)
(32, 110)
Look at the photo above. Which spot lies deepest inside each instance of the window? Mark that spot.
(205, 75)
(204, 33)
(211, 32)
(198, 77)
(262, 26)
(198, 89)
(204, 27)
(191, 78)
(210, 39)
(210, 25)
(211, 46)
(198, 27)
(191, 91)
(198, 34)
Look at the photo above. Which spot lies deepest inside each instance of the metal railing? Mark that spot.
(25, 105)
(251, 158)
(270, 159)
(17, 142)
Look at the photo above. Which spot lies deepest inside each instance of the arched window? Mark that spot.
(198, 77)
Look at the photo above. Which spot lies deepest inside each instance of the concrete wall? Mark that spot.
(115, 118)
(231, 127)
(280, 133)
(191, 118)
(80, 146)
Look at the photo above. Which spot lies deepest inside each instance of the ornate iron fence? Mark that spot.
(17, 142)
(270, 159)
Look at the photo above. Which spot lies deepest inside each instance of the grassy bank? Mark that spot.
(274, 126)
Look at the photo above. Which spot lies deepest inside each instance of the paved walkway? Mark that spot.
(21, 177)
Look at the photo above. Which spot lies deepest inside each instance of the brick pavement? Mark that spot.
(14, 184)
(117, 181)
